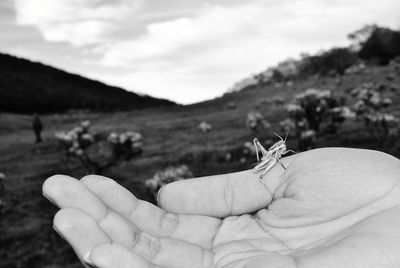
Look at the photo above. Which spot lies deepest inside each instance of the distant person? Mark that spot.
(333, 207)
(37, 127)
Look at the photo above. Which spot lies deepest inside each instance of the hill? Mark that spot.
(372, 45)
(31, 87)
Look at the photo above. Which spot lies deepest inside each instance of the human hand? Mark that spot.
(334, 207)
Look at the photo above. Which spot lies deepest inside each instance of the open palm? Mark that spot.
(333, 207)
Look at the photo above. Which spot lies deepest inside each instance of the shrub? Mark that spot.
(168, 175)
(334, 61)
(312, 109)
(255, 121)
(125, 145)
(355, 69)
(371, 106)
(204, 127)
(88, 149)
(77, 140)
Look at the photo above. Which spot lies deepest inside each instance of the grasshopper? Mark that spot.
(271, 156)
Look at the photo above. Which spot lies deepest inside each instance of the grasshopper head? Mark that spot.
(278, 146)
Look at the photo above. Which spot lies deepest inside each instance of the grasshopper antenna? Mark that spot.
(287, 133)
(278, 136)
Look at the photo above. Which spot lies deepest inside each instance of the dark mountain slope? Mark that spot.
(31, 87)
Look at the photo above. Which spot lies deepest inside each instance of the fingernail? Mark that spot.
(59, 233)
(88, 262)
(49, 198)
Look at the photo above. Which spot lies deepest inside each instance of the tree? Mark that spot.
(382, 45)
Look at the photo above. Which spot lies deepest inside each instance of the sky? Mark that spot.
(183, 50)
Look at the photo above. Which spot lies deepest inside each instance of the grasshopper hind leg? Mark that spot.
(280, 163)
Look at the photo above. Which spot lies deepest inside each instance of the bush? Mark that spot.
(312, 109)
(255, 121)
(204, 127)
(168, 175)
(90, 150)
(331, 62)
(125, 145)
(372, 107)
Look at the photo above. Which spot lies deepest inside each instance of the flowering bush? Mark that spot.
(255, 121)
(88, 149)
(125, 145)
(311, 109)
(168, 175)
(205, 127)
(368, 99)
(355, 69)
(75, 141)
(371, 107)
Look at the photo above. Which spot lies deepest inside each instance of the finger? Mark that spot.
(67, 192)
(160, 251)
(116, 256)
(195, 229)
(166, 252)
(79, 230)
(223, 195)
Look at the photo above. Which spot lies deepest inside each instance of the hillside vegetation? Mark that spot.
(30, 87)
(371, 45)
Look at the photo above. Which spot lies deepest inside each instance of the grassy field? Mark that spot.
(170, 137)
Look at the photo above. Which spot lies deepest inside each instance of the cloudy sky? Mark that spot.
(184, 50)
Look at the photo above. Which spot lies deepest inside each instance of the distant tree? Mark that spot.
(382, 45)
(333, 61)
(360, 36)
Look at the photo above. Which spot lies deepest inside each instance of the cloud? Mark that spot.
(202, 56)
(197, 54)
(79, 22)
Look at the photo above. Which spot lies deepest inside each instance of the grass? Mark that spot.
(170, 137)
